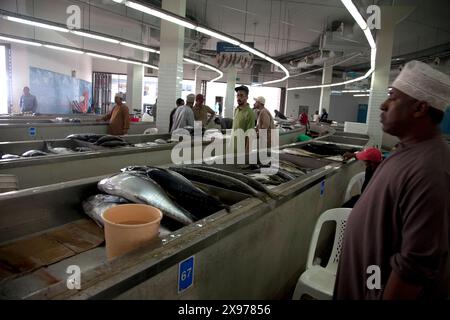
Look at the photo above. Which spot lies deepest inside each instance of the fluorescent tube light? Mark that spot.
(351, 8)
(94, 36)
(96, 55)
(217, 35)
(31, 43)
(135, 46)
(253, 51)
(131, 62)
(159, 14)
(36, 24)
(63, 49)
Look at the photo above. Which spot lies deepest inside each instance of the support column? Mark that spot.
(390, 16)
(170, 64)
(198, 81)
(135, 85)
(325, 93)
(230, 96)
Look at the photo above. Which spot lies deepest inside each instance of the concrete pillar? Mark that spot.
(198, 81)
(170, 64)
(135, 86)
(390, 16)
(325, 93)
(230, 94)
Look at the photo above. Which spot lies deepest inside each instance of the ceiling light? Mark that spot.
(36, 24)
(63, 49)
(135, 46)
(253, 51)
(131, 62)
(193, 62)
(96, 55)
(217, 35)
(361, 95)
(160, 14)
(355, 13)
(151, 66)
(31, 43)
(94, 36)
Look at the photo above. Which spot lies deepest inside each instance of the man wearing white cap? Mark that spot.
(396, 245)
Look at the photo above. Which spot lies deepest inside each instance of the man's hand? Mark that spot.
(348, 155)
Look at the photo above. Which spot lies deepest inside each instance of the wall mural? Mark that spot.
(58, 93)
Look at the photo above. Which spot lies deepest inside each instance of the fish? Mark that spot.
(196, 201)
(145, 144)
(107, 138)
(285, 175)
(246, 179)
(94, 206)
(83, 149)
(34, 153)
(160, 141)
(264, 178)
(299, 152)
(217, 179)
(114, 143)
(290, 167)
(58, 150)
(88, 137)
(138, 188)
(8, 156)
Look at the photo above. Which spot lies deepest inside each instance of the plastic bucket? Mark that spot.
(129, 226)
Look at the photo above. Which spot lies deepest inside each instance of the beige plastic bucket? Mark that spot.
(129, 226)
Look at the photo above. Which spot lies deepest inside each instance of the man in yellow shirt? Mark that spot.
(244, 117)
(201, 111)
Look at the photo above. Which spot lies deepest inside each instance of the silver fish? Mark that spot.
(246, 179)
(138, 188)
(160, 141)
(95, 206)
(217, 179)
(10, 156)
(34, 153)
(58, 150)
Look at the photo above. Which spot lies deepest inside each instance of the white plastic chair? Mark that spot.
(317, 281)
(151, 131)
(355, 182)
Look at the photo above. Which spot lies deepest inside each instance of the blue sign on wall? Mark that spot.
(445, 125)
(32, 131)
(185, 274)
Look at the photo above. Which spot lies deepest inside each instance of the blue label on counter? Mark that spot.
(322, 188)
(32, 131)
(185, 274)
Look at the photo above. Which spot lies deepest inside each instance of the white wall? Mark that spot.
(345, 108)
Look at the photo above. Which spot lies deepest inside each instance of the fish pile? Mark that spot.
(104, 140)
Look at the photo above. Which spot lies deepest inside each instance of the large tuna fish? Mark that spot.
(138, 188)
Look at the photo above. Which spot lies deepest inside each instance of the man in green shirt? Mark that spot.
(244, 117)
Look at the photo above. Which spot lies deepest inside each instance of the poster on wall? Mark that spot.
(58, 93)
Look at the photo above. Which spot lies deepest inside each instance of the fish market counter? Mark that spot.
(45, 131)
(54, 168)
(257, 250)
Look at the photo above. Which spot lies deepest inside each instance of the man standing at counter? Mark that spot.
(201, 111)
(119, 118)
(28, 102)
(244, 117)
(396, 244)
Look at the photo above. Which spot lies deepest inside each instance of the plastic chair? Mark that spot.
(355, 182)
(317, 281)
(151, 131)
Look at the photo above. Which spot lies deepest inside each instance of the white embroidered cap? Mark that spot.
(424, 83)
